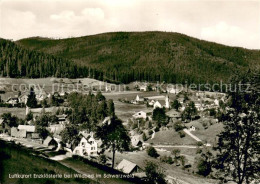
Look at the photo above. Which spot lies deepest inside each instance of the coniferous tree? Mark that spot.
(31, 101)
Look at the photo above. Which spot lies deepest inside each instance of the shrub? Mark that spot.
(144, 137)
(166, 159)
(199, 144)
(151, 151)
(178, 126)
(203, 167)
(182, 134)
(150, 132)
(102, 159)
(156, 129)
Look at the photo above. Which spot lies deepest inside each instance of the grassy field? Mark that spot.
(125, 111)
(141, 157)
(209, 135)
(81, 167)
(171, 137)
(19, 112)
(15, 160)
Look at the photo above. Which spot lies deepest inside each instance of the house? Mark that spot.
(173, 90)
(108, 88)
(139, 98)
(18, 133)
(88, 146)
(12, 101)
(1, 121)
(199, 106)
(173, 114)
(62, 119)
(140, 114)
(56, 128)
(216, 102)
(159, 103)
(128, 167)
(23, 98)
(143, 87)
(50, 142)
(151, 102)
(107, 120)
(40, 94)
(192, 128)
(136, 142)
(30, 129)
(182, 108)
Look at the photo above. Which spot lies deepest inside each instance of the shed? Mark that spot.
(127, 167)
(49, 141)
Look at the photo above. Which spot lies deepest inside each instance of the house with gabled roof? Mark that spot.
(136, 141)
(88, 145)
(23, 98)
(140, 114)
(12, 100)
(162, 103)
(30, 130)
(50, 142)
(18, 133)
(128, 167)
(139, 99)
(158, 104)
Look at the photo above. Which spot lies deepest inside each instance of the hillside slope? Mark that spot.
(151, 56)
(16, 61)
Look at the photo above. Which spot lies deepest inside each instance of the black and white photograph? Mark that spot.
(129, 91)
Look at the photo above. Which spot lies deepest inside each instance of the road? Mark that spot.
(191, 135)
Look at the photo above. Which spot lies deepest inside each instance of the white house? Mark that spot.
(139, 99)
(136, 141)
(173, 90)
(23, 98)
(140, 114)
(157, 104)
(216, 101)
(12, 101)
(151, 102)
(87, 146)
(192, 128)
(182, 108)
(143, 88)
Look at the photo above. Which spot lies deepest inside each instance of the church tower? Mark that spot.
(167, 102)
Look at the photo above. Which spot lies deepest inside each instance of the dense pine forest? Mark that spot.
(18, 62)
(126, 57)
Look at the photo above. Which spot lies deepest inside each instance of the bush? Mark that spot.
(144, 137)
(199, 151)
(182, 134)
(151, 151)
(102, 159)
(199, 144)
(178, 126)
(203, 167)
(150, 132)
(166, 159)
(156, 129)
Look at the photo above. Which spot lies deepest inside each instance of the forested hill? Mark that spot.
(19, 62)
(150, 56)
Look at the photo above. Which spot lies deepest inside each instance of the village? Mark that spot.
(165, 124)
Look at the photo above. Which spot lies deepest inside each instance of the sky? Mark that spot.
(229, 22)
